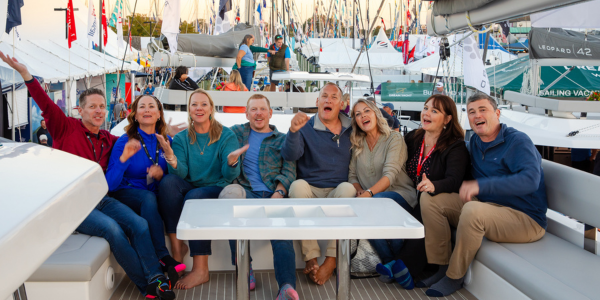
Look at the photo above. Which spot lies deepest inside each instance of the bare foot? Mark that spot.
(325, 271)
(180, 252)
(311, 266)
(192, 279)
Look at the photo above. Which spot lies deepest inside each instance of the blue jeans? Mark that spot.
(388, 250)
(246, 74)
(143, 202)
(172, 194)
(118, 224)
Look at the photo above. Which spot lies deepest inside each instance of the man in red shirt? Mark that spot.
(111, 219)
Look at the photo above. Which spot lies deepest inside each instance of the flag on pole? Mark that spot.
(120, 31)
(170, 25)
(139, 60)
(505, 31)
(13, 17)
(224, 6)
(411, 55)
(259, 10)
(115, 14)
(474, 70)
(71, 31)
(104, 24)
(405, 45)
(129, 32)
(383, 24)
(92, 21)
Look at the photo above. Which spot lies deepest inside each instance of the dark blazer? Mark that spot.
(448, 168)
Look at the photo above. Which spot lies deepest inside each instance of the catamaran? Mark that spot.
(45, 260)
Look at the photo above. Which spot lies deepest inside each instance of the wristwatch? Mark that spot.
(370, 192)
(281, 192)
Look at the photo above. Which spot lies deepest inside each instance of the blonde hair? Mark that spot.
(215, 129)
(236, 78)
(257, 97)
(357, 137)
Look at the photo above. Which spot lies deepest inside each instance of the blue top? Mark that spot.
(248, 56)
(321, 161)
(511, 160)
(287, 51)
(251, 159)
(149, 91)
(132, 173)
(580, 154)
(210, 168)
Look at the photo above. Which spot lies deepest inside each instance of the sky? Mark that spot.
(305, 7)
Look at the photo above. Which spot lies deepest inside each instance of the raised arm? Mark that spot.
(122, 151)
(56, 120)
(293, 147)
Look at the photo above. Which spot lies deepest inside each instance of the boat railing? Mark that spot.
(553, 107)
(230, 98)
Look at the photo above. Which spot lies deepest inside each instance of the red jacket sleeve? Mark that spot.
(56, 120)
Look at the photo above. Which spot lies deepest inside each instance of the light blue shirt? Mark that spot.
(251, 161)
(248, 56)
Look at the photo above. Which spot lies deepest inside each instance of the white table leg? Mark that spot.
(20, 293)
(343, 270)
(242, 268)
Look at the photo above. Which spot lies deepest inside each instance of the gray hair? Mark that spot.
(333, 84)
(481, 96)
(246, 39)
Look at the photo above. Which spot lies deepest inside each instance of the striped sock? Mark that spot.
(386, 269)
(402, 275)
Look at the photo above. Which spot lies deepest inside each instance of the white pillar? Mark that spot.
(132, 87)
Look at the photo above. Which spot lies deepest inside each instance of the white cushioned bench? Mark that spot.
(553, 267)
(81, 268)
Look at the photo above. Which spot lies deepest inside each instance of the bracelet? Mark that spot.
(235, 163)
(370, 192)
(172, 160)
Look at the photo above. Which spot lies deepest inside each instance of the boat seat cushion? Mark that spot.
(77, 259)
(550, 268)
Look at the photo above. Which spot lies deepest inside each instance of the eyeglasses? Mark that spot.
(278, 37)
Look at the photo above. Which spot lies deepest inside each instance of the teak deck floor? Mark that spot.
(222, 287)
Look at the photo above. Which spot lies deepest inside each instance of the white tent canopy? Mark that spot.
(47, 54)
(382, 58)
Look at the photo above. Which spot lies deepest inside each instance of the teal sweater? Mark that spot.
(210, 169)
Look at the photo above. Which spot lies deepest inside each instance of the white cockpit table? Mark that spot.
(296, 219)
(44, 195)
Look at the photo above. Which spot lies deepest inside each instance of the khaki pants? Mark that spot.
(301, 189)
(473, 220)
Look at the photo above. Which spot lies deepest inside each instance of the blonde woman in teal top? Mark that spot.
(203, 160)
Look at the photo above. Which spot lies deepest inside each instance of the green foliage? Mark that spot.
(143, 25)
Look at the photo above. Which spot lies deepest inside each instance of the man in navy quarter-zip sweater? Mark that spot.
(506, 202)
(321, 147)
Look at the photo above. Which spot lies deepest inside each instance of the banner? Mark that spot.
(120, 42)
(475, 74)
(92, 21)
(408, 92)
(170, 25)
(72, 32)
(112, 92)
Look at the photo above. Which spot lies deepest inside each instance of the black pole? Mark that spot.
(66, 21)
(485, 45)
